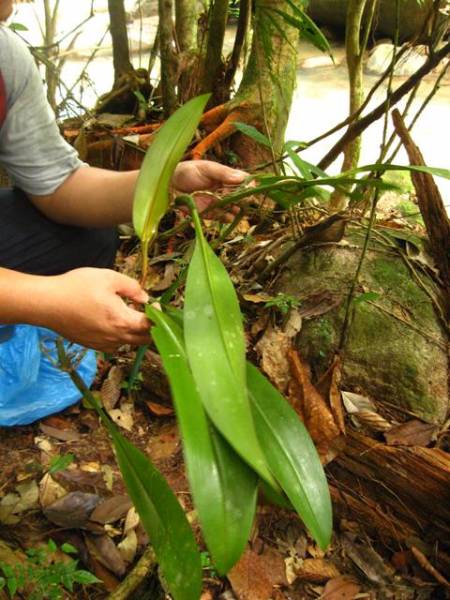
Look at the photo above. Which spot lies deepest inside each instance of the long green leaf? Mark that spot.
(253, 133)
(291, 456)
(161, 515)
(439, 172)
(151, 196)
(163, 519)
(215, 346)
(223, 487)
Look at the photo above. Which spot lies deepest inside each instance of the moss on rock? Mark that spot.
(396, 348)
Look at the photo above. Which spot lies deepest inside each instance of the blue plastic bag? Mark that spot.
(31, 386)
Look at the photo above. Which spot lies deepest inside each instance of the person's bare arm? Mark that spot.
(92, 197)
(84, 305)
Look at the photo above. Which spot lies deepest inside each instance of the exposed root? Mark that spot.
(220, 122)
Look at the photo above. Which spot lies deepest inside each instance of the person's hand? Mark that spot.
(87, 307)
(204, 175)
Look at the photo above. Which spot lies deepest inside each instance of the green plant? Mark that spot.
(283, 303)
(43, 577)
(233, 439)
(59, 463)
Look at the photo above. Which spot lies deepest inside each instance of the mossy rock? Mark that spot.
(412, 15)
(396, 349)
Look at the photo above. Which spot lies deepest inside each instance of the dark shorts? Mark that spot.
(31, 243)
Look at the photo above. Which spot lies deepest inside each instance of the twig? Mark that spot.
(425, 103)
(359, 126)
(135, 577)
(428, 567)
(375, 197)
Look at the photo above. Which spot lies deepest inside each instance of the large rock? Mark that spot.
(397, 351)
(381, 57)
(412, 15)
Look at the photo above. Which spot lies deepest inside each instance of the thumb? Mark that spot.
(127, 287)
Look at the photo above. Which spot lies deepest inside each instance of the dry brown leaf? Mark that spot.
(13, 504)
(160, 410)
(328, 387)
(50, 491)
(73, 510)
(171, 272)
(75, 480)
(131, 520)
(123, 416)
(340, 588)
(64, 435)
(316, 570)
(412, 433)
(316, 414)
(368, 561)
(273, 348)
(255, 575)
(105, 551)
(111, 510)
(257, 298)
(128, 546)
(106, 577)
(165, 444)
(318, 304)
(111, 388)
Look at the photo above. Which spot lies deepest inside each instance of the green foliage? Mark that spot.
(215, 344)
(59, 463)
(162, 517)
(410, 212)
(253, 133)
(283, 303)
(17, 27)
(42, 577)
(151, 196)
(270, 439)
(291, 455)
(223, 487)
(306, 26)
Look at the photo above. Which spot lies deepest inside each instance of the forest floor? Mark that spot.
(54, 473)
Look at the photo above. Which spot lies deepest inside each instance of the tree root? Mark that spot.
(219, 122)
(135, 577)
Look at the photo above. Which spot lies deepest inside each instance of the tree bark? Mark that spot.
(168, 71)
(245, 12)
(213, 66)
(270, 75)
(431, 207)
(393, 488)
(185, 24)
(121, 53)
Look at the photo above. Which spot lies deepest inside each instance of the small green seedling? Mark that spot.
(41, 577)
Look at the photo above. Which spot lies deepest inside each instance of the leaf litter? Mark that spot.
(87, 499)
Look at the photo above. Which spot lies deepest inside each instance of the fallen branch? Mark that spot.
(135, 577)
(431, 207)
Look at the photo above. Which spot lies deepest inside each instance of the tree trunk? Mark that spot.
(245, 13)
(121, 53)
(51, 70)
(168, 71)
(188, 56)
(269, 77)
(360, 15)
(185, 24)
(213, 68)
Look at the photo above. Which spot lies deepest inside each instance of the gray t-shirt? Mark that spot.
(32, 150)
